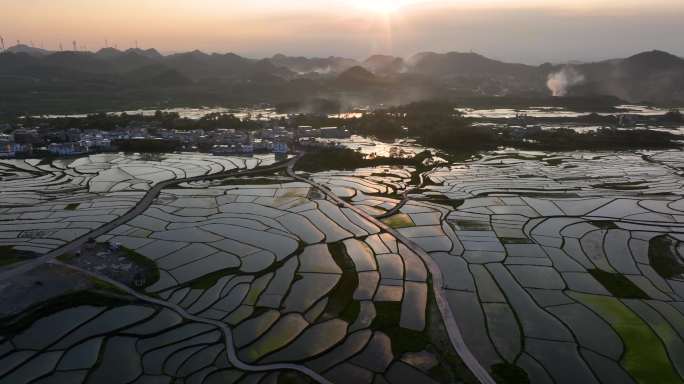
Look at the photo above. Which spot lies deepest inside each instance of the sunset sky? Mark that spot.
(531, 31)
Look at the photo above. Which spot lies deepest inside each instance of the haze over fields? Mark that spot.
(333, 192)
(73, 56)
(528, 31)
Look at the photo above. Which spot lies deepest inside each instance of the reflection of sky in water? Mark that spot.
(347, 115)
(507, 113)
(580, 129)
(198, 113)
(270, 113)
(368, 146)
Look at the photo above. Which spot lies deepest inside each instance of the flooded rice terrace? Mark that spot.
(509, 113)
(263, 114)
(546, 267)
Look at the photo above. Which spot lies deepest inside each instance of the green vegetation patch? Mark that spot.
(629, 186)
(293, 377)
(618, 285)
(106, 297)
(451, 368)
(554, 162)
(66, 257)
(9, 255)
(387, 320)
(347, 159)
(149, 266)
(442, 200)
(515, 240)
(274, 180)
(645, 357)
(662, 254)
(341, 303)
(9, 260)
(207, 281)
(150, 156)
(391, 195)
(434, 339)
(400, 220)
(72, 207)
(471, 225)
(506, 373)
(104, 286)
(604, 224)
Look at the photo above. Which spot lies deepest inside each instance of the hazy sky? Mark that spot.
(531, 31)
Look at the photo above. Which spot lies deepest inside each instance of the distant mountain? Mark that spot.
(357, 79)
(149, 53)
(653, 76)
(129, 61)
(322, 66)
(357, 74)
(385, 65)
(653, 61)
(22, 48)
(108, 53)
(477, 75)
(465, 64)
(229, 66)
(86, 62)
(156, 75)
(34, 79)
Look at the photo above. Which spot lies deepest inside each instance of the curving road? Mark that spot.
(141, 206)
(137, 210)
(453, 330)
(227, 333)
(404, 199)
(455, 335)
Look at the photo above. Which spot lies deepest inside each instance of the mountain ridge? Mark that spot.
(651, 76)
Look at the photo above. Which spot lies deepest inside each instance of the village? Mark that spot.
(45, 140)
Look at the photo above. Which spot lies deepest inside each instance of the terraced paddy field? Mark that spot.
(260, 277)
(46, 204)
(565, 265)
(550, 268)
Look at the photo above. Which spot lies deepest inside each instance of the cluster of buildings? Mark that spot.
(27, 141)
(10, 148)
(231, 141)
(44, 140)
(273, 139)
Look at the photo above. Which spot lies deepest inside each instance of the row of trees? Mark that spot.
(435, 124)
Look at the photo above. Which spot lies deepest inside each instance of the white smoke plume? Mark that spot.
(559, 82)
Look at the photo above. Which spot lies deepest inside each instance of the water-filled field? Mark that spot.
(553, 267)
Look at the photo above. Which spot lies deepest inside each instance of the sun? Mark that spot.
(384, 7)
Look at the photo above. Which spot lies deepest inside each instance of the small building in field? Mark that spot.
(334, 133)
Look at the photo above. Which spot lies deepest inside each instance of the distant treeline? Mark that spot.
(435, 124)
(346, 159)
(167, 120)
(147, 145)
(439, 125)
